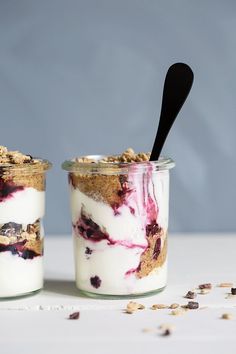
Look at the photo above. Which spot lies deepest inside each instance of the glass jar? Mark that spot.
(22, 203)
(119, 222)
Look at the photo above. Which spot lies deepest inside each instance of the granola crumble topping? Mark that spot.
(14, 157)
(10, 158)
(128, 156)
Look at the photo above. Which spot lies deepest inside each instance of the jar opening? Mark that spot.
(38, 166)
(73, 165)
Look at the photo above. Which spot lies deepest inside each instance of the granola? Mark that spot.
(134, 306)
(159, 306)
(22, 240)
(11, 176)
(227, 316)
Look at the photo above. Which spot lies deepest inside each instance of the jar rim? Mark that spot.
(39, 166)
(163, 163)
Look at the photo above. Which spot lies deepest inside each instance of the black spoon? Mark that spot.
(178, 83)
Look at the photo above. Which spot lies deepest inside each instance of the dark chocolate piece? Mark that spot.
(74, 316)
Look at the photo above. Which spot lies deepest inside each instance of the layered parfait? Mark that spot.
(22, 199)
(119, 210)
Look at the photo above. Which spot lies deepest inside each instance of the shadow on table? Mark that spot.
(62, 287)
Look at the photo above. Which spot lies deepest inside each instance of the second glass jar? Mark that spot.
(22, 204)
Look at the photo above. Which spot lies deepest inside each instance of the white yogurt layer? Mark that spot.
(19, 276)
(120, 227)
(23, 207)
(125, 226)
(110, 264)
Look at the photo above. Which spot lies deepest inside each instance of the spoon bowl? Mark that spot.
(177, 85)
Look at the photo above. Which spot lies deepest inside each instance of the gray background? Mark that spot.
(80, 77)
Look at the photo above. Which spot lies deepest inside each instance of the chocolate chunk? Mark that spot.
(190, 295)
(166, 329)
(205, 286)
(74, 316)
(88, 250)
(95, 281)
(192, 305)
(233, 291)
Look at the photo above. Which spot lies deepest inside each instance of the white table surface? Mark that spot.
(39, 322)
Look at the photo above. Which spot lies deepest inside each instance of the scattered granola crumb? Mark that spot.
(134, 306)
(159, 307)
(174, 306)
(192, 305)
(205, 286)
(178, 312)
(204, 291)
(167, 332)
(190, 295)
(233, 291)
(74, 316)
(225, 285)
(227, 316)
(166, 329)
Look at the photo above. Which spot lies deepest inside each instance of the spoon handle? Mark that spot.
(178, 83)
